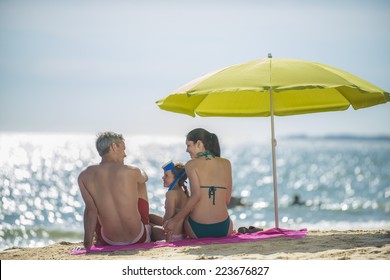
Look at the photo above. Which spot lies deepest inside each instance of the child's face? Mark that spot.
(168, 178)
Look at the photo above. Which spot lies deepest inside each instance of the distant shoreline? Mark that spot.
(342, 137)
(338, 137)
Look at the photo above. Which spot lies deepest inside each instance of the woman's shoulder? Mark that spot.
(224, 160)
(191, 163)
(194, 162)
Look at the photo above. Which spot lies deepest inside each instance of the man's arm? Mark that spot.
(90, 214)
(144, 177)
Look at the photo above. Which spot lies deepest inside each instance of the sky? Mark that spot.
(89, 66)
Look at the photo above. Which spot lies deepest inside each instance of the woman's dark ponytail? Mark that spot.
(210, 140)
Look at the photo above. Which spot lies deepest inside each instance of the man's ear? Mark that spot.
(113, 147)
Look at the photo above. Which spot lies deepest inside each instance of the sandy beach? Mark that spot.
(317, 245)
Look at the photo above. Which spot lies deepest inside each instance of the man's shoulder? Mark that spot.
(89, 169)
(131, 168)
(87, 172)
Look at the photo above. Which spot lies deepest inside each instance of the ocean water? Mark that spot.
(342, 183)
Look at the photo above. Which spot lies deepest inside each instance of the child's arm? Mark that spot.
(170, 200)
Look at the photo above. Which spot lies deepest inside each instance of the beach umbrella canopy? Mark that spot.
(273, 86)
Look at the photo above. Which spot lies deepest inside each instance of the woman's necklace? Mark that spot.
(206, 155)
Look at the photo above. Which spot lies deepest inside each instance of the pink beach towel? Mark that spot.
(235, 238)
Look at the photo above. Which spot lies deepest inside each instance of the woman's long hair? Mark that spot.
(210, 140)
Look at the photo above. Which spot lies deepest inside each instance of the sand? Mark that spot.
(317, 245)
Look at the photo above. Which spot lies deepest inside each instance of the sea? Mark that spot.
(342, 182)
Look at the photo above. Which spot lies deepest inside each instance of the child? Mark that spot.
(176, 197)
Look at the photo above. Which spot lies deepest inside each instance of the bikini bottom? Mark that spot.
(220, 229)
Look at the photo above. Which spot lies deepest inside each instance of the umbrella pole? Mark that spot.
(274, 163)
(273, 143)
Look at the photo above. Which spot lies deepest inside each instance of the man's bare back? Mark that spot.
(110, 192)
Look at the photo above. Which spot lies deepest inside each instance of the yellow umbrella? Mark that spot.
(273, 86)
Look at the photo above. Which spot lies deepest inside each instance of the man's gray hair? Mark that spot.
(105, 139)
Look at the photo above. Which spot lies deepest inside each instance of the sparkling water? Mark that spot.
(342, 183)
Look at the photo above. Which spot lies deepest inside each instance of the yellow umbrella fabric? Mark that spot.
(269, 87)
(299, 87)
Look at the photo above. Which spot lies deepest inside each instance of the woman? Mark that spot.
(175, 199)
(210, 176)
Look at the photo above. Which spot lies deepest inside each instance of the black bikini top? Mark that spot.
(212, 190)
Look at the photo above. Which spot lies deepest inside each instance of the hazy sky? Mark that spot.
(89, 66)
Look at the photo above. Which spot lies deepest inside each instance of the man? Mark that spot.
(110, 191)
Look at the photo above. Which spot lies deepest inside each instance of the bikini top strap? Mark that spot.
(212, 190)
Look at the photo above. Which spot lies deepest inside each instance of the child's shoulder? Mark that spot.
(175, 193)
(171, 193)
